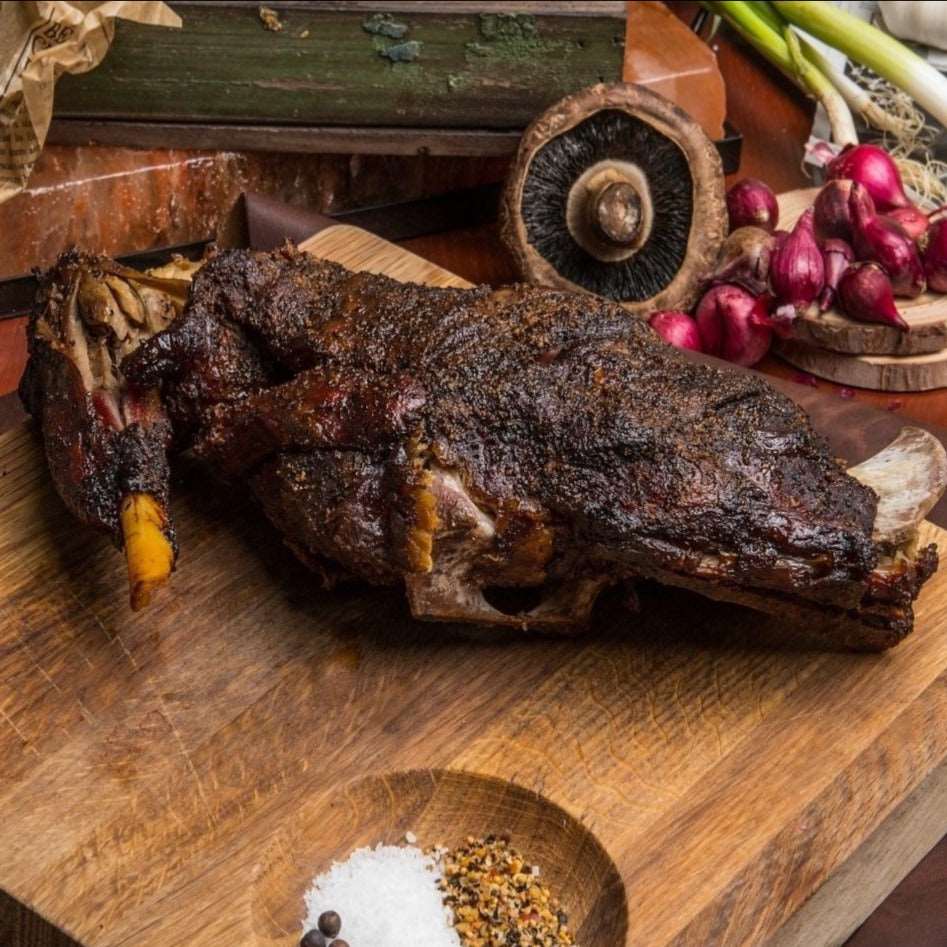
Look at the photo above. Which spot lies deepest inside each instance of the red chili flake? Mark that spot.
(804, 378)
(846, 393)
(895, 404)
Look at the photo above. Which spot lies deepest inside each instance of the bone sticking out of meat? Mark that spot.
(909, 477)
(468, 445)
(149, 552)
(106, 440)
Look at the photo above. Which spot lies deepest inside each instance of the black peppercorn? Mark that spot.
(330, 924)
(313, 938)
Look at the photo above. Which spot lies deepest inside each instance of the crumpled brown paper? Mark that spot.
(39, 41)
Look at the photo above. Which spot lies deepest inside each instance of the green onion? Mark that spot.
(774, 38)
(859, 100)
(871, 47)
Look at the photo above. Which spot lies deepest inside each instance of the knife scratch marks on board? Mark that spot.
(274, 691)
(27, 744)
(715, 669)
(683, 707)
(653, 788)
(616, 790)
(24, 643)
(353, 806)
(72, 638)
(110, 638)
(759, 704)
(162, 710)
(653, 714)
(718, 733)
(392, 802)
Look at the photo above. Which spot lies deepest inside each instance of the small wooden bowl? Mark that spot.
(439, 807)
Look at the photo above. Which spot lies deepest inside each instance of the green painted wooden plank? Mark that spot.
(328, 67)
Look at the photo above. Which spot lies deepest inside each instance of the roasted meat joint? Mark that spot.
(462, 442)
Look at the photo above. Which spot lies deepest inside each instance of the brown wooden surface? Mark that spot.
(168, 775)
(12, 353)
(330, 64)
(775, 120)
(327, 139)
(663, 54)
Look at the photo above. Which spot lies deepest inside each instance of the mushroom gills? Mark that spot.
(617, 192)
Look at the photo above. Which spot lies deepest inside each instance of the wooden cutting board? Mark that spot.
(867, 355)
(176, 777)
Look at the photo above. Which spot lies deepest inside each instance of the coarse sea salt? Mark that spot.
(387, 896)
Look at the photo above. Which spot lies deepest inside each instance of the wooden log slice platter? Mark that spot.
(863, 354)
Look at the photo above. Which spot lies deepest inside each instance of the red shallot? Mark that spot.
(873, 168)
(913, 220)
(745, 259)
(935, 256)
(885, 242)
(797, 273)
(733, 324)
(836, 255)
(832, 216)
(677, 329)
(750, 203)
(864, 292)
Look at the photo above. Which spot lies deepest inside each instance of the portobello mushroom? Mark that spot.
(616, 191)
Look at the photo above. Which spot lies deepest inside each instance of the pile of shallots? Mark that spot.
(860, 245)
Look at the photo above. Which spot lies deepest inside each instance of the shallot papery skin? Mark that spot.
(745, 259)
(873, 168)
(864, 293)
(912, 220)
(751, 203)
(886, 243)
(935, 257)
(832, 216)
(836, 255)
(734, 324)
(677, 329)
(797, 273)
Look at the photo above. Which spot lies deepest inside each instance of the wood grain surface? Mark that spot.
(168, 774)
(435, 65)
(890, 373)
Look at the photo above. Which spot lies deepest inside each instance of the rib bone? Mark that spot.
(909, 476)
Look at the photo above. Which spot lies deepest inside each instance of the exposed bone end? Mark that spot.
(178, 268)
(909, 477)
(565, 608)
(148, 551)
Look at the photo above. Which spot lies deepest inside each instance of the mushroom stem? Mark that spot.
(616, 213)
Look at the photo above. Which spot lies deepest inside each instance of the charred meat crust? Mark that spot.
(103, 439)
(592, 449)
(459, 439)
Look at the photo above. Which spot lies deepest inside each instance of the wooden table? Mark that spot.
(775, 121)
